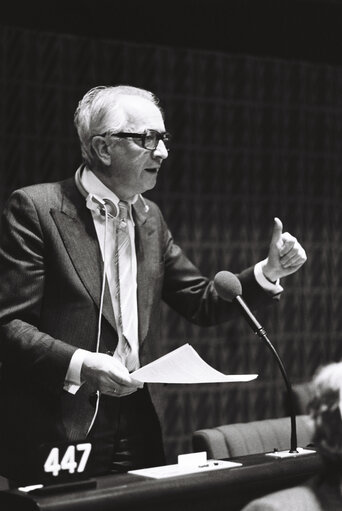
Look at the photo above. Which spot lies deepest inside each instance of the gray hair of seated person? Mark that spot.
(325, 409)
(93, 111)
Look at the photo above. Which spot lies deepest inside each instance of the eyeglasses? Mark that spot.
(149, 139)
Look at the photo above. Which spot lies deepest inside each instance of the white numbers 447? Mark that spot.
(54, 464)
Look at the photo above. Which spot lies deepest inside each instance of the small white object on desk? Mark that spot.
(288, 454)
(32, 487)
(187, 464)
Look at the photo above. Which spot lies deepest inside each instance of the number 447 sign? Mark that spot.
(74, 459)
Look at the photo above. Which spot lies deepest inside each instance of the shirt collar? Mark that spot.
(96, 187)
(87, 184)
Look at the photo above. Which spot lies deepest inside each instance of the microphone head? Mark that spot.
(227, 285)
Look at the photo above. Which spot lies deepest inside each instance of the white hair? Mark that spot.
(326, 411)
(329, 378)
(92, 113)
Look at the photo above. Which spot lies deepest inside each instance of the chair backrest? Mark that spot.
(252, 437)
(298, 498)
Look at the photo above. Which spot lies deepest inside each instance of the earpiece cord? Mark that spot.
(100, 311)
(103, 280)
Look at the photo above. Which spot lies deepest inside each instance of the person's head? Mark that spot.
(326, 411)
(104, 119)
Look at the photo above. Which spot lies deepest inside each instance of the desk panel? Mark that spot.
(226, 489)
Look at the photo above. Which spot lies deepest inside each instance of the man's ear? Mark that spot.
(101, 149)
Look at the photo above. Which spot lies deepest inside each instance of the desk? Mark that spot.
(226, 489)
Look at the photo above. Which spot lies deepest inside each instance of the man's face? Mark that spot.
(134, 169)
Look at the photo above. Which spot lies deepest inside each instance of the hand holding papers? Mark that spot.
(184, 365)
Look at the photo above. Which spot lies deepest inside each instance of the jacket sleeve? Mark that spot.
(191, 294)
(23, 347)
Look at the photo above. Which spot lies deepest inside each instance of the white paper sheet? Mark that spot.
(184, 365)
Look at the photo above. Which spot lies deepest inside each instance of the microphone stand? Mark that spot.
(261, 332)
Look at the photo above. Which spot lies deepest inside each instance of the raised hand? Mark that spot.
(285, 255)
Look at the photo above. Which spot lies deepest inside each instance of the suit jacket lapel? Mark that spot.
(76, 228)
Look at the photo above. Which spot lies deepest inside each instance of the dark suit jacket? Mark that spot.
(50, 283)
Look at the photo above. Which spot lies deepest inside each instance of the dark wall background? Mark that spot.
(256, 135)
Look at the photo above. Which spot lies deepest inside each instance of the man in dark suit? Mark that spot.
(70, 331)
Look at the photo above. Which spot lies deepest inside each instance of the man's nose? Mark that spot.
(160, 151)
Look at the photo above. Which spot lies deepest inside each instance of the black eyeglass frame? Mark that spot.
(165, 137)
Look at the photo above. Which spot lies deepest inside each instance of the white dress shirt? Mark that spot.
(106, 237)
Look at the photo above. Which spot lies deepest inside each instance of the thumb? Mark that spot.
(277, 230)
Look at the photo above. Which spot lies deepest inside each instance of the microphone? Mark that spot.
(229, 288)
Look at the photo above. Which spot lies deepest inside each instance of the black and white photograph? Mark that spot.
(171, 255)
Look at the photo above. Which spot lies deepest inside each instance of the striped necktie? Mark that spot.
(126, 289)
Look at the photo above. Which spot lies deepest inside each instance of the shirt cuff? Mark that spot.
(72, 380)
(273, 288)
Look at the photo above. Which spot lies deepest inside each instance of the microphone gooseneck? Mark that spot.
(229, 288)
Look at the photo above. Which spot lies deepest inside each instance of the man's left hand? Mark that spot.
(285, 256)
